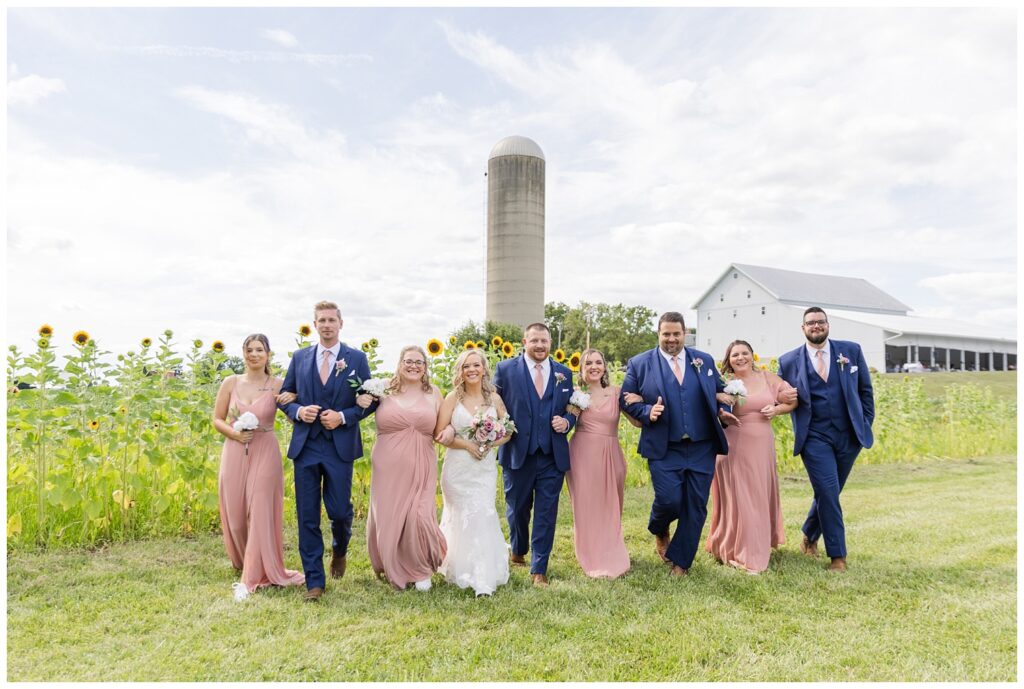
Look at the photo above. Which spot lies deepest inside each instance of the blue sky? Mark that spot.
(217, 171)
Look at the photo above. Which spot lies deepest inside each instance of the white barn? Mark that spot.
(765, 307)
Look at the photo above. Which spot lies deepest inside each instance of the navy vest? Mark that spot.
(540, 423)
(688, 411)
(322, 396)
(827, 404)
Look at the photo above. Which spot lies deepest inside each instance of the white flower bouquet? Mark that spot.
(737, 389)
(246, 422)
(578, 402)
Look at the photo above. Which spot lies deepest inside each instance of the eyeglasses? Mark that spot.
(811, 324)
(418, 363)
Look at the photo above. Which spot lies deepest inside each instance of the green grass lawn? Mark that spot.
(1002, 383)
(930, 596)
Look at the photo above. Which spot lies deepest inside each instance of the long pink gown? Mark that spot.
(596, 480)
(746, 518)
(251, 490)
(405, 543)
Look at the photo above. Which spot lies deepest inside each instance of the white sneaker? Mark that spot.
(240, 590)
(423, 585)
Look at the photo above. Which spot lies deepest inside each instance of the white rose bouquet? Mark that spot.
(578, 402)
(737, 389)
(246, 422)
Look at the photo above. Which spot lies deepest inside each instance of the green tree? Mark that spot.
(486, 331)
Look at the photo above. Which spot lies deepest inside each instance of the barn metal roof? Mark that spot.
(916, 325)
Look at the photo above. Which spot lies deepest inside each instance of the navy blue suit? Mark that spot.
(831, 424)
(323, 458)
(534, 462)
(680, 446)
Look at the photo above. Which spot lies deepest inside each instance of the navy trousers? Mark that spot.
(537, 481)
(682, 482)
(828, 458)
(320, 472)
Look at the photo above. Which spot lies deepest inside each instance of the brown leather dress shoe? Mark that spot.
(809, 548)
(313, 594)
(539, 580)
(838, 564)
(661, 546)
(678, 571)
(337, 566)
(518, 560)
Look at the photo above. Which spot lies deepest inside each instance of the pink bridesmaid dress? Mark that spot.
(596, 480)
(405, 543)
(746, 519)
(251, 490)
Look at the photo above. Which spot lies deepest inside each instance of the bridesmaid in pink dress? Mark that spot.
(251, 480)
(597, 476)
(405, 543)
(746, 519)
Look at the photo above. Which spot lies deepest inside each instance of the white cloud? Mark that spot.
(281, 37)
(32, 88)
(979, 287)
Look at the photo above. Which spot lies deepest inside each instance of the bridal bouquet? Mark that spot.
(486, 430)
(375, 387)
(246, 422)
(578, 402)
(737, 389)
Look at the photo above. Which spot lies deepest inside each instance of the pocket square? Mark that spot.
(853, 369)
(565, 389)
(351, 373)
(710, 372)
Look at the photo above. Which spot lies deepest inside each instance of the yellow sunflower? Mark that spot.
(496, 342)
(146, 342)
(217, 346)
(94, 424)
(480, 344)
(365, 346)
(469, 344)
(559, 355)
(198, 344)
(374, 343)
(43, 343)
(45, 330)
(434, 347)
(122, 410)
(305, 330)
(81, 338)
(574, 362)
(508, 349)
(756, 357)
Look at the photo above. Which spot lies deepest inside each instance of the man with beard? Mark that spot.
(831, 425)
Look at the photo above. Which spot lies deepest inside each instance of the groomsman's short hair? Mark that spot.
(815, 309)
(671, 317)
(326, 306)
(536, 326)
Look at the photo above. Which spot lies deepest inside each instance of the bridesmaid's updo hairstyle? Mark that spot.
(459, 384)
(604, 376)
(262, 339)
(396, 380)
(726, 366)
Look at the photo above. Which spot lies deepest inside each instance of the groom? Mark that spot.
(535, 390)
(830, 425)
(325, 442)
(680, 435)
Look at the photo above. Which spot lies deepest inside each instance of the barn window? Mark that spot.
(734, 313)
(709, 342)
(762, 310)
(721, 297)
(709, 315)
(748, 294)
(735, 275)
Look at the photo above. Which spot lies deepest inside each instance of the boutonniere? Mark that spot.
(559, 378)
(339, 366)
(842, 361)
(697, 363)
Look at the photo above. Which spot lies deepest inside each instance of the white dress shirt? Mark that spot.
(812, 353)
(681, 358)
(318, 361)
(545, 369)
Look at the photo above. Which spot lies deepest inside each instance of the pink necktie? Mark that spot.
(821, 365)
(538, 380)
(325, 369)
(676, 370)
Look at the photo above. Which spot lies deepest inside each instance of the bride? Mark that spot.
(477, 552)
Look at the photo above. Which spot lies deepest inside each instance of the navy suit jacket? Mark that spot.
(512, 380)
(346, 438)
(854, 381)
(643, 377)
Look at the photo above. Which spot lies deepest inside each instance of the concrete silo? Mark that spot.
(515, 232)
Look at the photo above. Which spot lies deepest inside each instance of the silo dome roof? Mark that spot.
(516, 146)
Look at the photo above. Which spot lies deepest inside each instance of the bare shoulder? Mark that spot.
(275, 384)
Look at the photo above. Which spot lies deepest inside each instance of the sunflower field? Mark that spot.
(108, 448)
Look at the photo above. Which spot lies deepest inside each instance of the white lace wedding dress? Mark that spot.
(477, 552)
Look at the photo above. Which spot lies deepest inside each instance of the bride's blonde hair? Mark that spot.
(459, 383)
